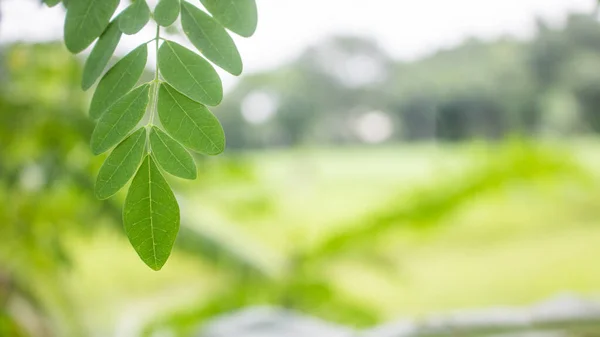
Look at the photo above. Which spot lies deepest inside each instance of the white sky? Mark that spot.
(406, 28)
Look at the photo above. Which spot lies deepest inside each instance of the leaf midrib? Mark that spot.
(85, 16)
(205, 35)
(190, 118)
(114, 87)
(117, 167)
(112, 127)
(159, 136)
(188, 71)
(151, 212)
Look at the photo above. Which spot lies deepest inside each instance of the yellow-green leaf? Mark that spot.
(189, 122)
(166, 12)
(121, 165)
(85, 21)
(171, 155)
(190, 73)
(100, 55)
(211, 39)
(151, 215)
(134, 17)
(118, 80)
(120, 119)
(239, 16)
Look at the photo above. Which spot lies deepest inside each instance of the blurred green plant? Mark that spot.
(47, 193)
(303, 281)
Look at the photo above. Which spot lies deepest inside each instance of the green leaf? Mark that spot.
(189, 122)
(85, 21)
(151, 215)
(240, 16)
(121, 165)
(166, 12)
(190, 73)
(134, 17)
(211, 39)
(51, 3)
(120, 119)
(171, 156)
(119, 80)
(101, 54)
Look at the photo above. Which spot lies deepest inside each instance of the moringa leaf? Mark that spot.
(121, 165)
(120, 119)
(189, 122)
(190, 74)
(119, 80)
(166, 12)
(51, 3)
(240, 16)
(134, 17)
(151, 215)
(85, 21)
(211, 39)
(171, 155)
(101, 54)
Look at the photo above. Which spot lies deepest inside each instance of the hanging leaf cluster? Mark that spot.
(149, 128)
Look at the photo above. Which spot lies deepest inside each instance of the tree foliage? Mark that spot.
(184, 83)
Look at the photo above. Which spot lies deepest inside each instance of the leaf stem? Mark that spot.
(156, 82)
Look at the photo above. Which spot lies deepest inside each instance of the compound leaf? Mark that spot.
(121, 165)
(85, 21)
(211, 39)
(190, 73)
(134, 17)
(189, 122)
(119, 80)
(240, 16)
(100, 55)
(120, 119)
(151, 215)
(166, 12)
(171, 155)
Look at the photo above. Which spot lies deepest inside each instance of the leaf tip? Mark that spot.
(156, 266)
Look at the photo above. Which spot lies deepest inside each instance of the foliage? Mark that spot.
(42, 126)
(151, 212)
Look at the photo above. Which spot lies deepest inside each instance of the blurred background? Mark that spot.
(394, 168)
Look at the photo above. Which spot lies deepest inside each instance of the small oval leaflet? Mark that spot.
(239, 16)
(134, 17)
(166, 12)
(171, 156)
(210, 38)
(51, 3)
(190, 73)
(120, 119)
(121, 165)
(189, 122)
(85, 21)
(151, 215)
(118, 80)
(100, 55)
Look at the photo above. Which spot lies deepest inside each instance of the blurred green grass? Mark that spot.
(517, 243)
